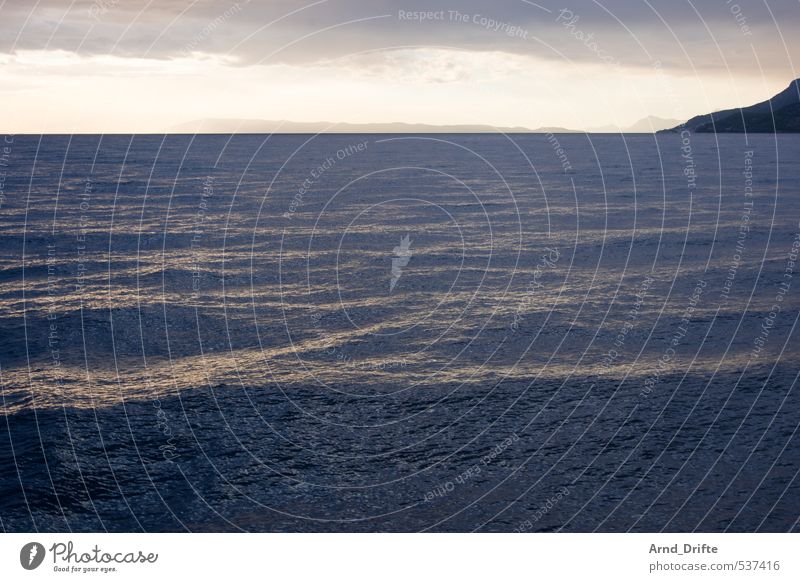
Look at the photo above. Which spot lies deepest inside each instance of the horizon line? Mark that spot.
(567, 132)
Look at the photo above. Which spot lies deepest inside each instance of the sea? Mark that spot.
(399, 333)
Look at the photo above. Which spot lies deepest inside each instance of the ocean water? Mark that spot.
(399, 333)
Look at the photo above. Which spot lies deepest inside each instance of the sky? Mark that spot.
(134, 66)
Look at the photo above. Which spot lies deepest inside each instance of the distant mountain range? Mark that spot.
(650, 124)
(780, 114)
(227, 126)
(267, 126)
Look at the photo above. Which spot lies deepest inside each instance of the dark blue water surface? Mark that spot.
(399, 333)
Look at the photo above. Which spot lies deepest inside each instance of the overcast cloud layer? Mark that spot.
(677, 32)
(737, 42)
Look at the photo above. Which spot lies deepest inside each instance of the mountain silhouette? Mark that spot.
(231, 126)
(780, 114)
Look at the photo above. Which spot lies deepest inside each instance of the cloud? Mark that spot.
(116, 65)
(705, 35)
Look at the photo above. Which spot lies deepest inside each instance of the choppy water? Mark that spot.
(399, 333)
